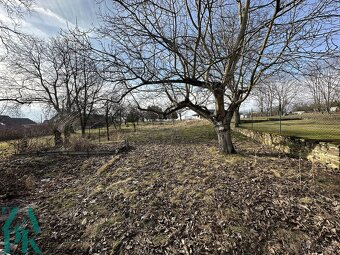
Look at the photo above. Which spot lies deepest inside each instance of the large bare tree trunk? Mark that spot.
(83, 131)
(58, 140)
(225, 143)
(83, 123)
(222, 123)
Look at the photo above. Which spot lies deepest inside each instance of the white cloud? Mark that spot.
(51, 17)
(48, 17)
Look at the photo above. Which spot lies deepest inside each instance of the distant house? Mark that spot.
(334, 109)
(298, 112)
(93, 121)
(245, 115)
(197, 116)
(7, 122)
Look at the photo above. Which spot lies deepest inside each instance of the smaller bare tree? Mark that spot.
(322, 82)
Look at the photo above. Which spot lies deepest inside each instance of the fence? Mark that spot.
(312, 126)
(43, 141)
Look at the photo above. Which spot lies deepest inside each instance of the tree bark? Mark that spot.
(107, 122)
(83, 131)
(225, 143)
(222, 122)
(237, 117)
(83, 123)
(67, 135)
(108, 130)
(58, 140)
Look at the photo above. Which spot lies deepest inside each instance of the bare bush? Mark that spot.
(32, 144)
(81, 144)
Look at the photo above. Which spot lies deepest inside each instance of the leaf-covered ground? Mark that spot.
(173, 193)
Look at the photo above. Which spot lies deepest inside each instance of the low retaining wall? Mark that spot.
(322, 152)
(268, 119)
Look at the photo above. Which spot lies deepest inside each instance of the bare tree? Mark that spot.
(323, 84)
(60, 73)
(88, 83)
(313, 84)
(113, 111)
(285, 93)
(259, 97)
(264, 96)
(277, 90)
(218, 49)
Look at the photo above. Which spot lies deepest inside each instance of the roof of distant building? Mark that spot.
(8, 122)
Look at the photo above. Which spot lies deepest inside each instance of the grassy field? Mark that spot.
(326, 129)
(165, 132)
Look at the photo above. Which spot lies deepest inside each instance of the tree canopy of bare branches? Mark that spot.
(215, 49)
(322, 81)
(60, 73)
(277, 91)
(8, 25)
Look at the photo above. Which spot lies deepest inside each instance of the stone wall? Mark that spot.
(322, 152)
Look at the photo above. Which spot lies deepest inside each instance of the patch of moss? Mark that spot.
(306, 200)
(160, 239)
(62, 203)
(242, 230)
(149, 223)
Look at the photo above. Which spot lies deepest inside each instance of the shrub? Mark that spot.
(32, 144)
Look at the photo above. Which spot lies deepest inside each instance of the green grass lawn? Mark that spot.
(318, 129)
(186, 131)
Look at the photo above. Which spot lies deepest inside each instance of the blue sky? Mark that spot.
(49, 16)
